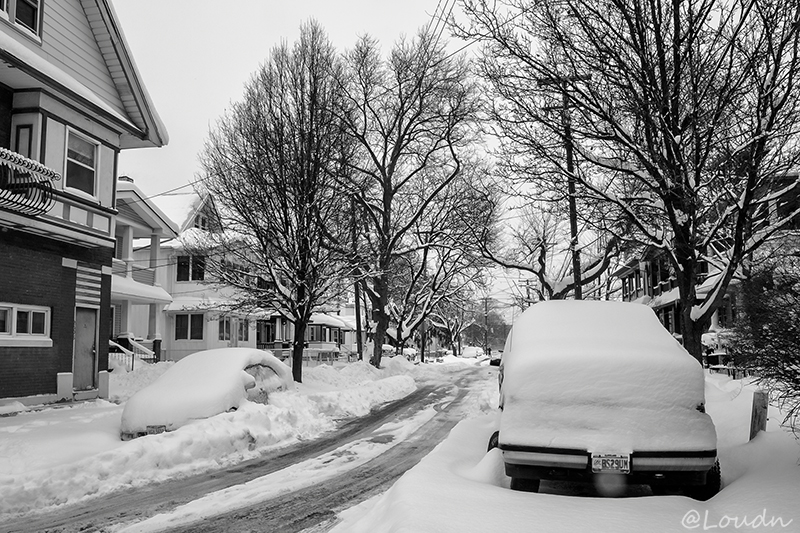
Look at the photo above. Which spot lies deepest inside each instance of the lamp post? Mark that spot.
(573, 210)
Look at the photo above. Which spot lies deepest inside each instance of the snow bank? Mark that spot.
(359, 401)
(204, 384)
(124, 384)
(66, 454)
(600, 376)
(12, 407)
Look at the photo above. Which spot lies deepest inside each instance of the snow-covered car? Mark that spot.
(472, 352)
(593, 389)
(201, 385)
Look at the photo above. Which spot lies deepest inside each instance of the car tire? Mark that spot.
(524, 484)
(494, 441)
(710, 488)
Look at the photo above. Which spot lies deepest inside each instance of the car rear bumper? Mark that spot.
(646, 467)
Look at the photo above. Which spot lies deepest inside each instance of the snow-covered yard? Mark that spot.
(467, 490)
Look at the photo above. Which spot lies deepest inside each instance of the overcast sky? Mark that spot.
(196, 55)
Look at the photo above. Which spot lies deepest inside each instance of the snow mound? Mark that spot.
(12, 407)
(124, 384)
(359, 401)
(360, 372)
(325, 374)
(397, 365)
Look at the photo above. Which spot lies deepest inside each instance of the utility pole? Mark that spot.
(424, 340)
(486, 325)
(357, 288)
(573, 210)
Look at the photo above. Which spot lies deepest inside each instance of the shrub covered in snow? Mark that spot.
(766, 337)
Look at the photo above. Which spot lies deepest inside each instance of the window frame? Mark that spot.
(193, 265)
(8, 8)
(190, 329)
(12, 337)
(23, 134)
(68, 160)
(224, 328)
(243, 330)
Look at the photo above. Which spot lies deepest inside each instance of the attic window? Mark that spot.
(201, 222)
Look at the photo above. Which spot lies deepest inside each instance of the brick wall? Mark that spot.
(31, 272)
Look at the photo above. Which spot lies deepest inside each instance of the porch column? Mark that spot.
(124, 320)
(127, 250)
(154, 309)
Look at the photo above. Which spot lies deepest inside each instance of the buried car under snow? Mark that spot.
(202, 385)
(600, 391)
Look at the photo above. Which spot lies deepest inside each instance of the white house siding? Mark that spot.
(67, 40)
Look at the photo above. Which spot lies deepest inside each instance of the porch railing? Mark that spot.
(127, 356)
(25, 185)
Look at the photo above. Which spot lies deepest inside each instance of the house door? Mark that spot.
(85, 359)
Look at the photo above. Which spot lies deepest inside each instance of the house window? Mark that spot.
(787, 205)
(201, 222)
(224, 328)
(244, 330)
(189, 326)
(191, 268)
(27, 14)
(24, 140)
(24, 325)
(81, 159)
(24, 13)
(265, 331)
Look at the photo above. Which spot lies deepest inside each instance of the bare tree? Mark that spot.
(271, 165)
(536, 241)
(454, 314)
(683, 114)
(410, 116)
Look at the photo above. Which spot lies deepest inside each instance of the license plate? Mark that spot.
(156, 430)
(611, 463)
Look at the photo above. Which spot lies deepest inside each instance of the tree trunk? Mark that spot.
(298, 345)
(380, 335)
(381, 287)
(692, 333)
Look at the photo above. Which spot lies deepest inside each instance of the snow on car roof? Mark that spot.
(593, 374)
(200, 385)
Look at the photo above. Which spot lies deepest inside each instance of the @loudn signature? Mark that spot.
(694, 520)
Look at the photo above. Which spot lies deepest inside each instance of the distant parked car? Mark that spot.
(410, 353)
(201, 385)
(590, 389)
(387, 350)
(471, 351)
